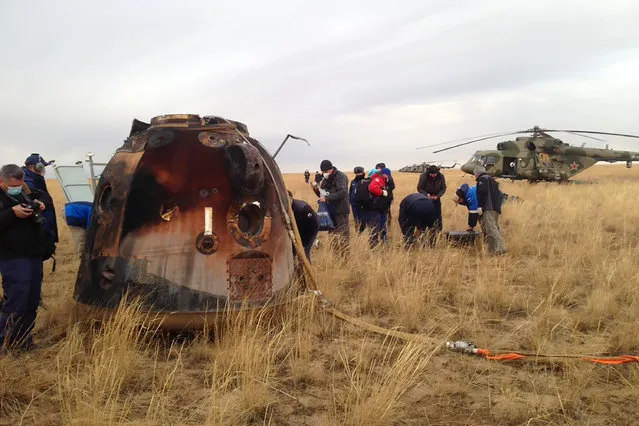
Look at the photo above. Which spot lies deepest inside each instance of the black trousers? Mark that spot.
(308, 238)
(373, 220)
(22, 287)
(420, 216)
(438, 212)
(342, 230)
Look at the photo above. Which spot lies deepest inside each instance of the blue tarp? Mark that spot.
(78, 213)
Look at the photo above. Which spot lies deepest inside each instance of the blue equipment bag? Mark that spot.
(78, 213)
(323, 218)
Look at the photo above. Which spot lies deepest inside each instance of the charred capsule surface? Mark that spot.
(188, 214)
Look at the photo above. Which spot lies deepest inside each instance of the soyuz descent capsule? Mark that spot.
(190, 214)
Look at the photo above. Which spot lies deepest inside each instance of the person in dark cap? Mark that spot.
(333, 190)
(432, 184)
(489, 201)
(34, 167)
(34, 172)
(317, 178)
(355, 207)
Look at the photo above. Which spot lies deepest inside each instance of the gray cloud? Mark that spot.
(363, 80)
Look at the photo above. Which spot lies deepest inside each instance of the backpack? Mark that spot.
(361, 195)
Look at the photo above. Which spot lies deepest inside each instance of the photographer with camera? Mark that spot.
(24, 243)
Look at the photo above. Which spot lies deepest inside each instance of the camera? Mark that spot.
(36, 215)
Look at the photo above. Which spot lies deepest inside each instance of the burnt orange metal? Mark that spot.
(250, 279)
(155, 199)
(247, 239)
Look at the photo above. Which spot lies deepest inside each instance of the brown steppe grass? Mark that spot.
(567, 285)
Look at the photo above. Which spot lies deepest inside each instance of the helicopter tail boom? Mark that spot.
(609, 155)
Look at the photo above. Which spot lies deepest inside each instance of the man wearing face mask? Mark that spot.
(23, 246)
(333, 190)
(34, 171)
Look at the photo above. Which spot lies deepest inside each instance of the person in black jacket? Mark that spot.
(307, 224)
(416, 212)
(390, 187)
(489, 199)
(21, 251)
(432, 184)
(34, 171)
(333, 190)
(307, 176)
(355, 207)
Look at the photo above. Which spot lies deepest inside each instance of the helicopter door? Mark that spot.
(510, 166)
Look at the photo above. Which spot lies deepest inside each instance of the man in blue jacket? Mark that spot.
(467, 196)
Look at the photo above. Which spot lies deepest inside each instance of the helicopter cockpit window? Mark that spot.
(475, 158)
(489, 160)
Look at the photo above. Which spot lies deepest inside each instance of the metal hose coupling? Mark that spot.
(463, 347)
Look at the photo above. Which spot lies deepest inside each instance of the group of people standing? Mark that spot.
(369, 196)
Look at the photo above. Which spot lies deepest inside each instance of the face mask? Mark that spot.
(14, 190)
(326, 175)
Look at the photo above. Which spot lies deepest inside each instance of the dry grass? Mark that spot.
(568, 284)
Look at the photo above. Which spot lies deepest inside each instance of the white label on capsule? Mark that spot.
(208, 220)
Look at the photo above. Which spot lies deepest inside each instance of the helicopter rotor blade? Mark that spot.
(596, 133)
(492, 135)
(586, 136)
(479, 140)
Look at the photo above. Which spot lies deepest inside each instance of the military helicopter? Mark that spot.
(191, 214)
(540, 156)
(421, 168)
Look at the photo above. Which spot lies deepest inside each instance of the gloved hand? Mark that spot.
(323, 192)
(385, 193)
(480, 211)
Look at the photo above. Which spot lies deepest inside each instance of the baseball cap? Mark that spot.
(34, 159)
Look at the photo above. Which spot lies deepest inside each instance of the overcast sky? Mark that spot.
(363, 80)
